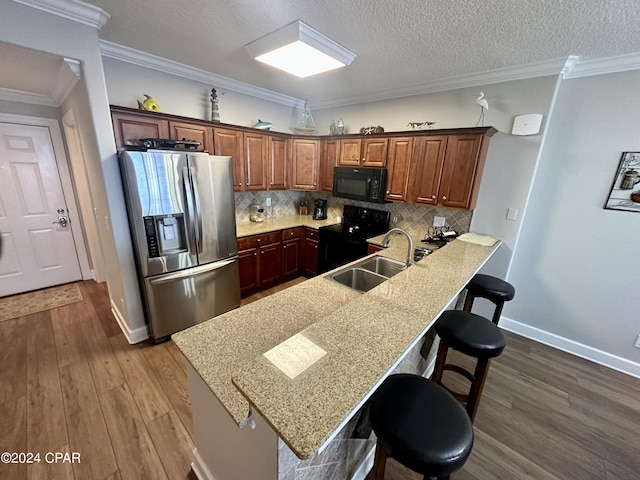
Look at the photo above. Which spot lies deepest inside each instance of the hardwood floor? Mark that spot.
(70, 382)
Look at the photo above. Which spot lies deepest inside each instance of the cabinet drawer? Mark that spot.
(258, 240)
(312, 234)
(290, 233)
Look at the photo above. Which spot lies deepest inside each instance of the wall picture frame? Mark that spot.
(625, 189)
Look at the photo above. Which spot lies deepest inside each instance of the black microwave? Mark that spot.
(367, 184)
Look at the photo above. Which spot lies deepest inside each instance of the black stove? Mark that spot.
(342, 243)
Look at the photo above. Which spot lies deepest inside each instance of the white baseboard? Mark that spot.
(133, 336)
(566, 345)
(200, 468)
(366, 465)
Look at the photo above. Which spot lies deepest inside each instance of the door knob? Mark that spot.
(62, 221)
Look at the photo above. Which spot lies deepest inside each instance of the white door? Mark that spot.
(38, 249)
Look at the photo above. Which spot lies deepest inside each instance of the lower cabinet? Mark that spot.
(311, 252)
(269, 259)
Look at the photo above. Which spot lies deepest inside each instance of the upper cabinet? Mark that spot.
(305, 163)
(188, 131)
(363, 152)
(446, 169)
(329, 159)
(398, 163)
(434, 167)
(278, 160)
(129, 128)
(230, 143)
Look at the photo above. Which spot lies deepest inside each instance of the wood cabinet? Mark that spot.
(426, 169)
(259, 260)
(292, 252)
(329, 159)
(305, 163)
(278, 163)
(255, 161)
(365, 152)
(398, 163)
(129, 128)
(311, 252)
(190, 131)
(230, 142)
(446, 170)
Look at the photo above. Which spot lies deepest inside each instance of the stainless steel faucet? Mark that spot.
(385, 243)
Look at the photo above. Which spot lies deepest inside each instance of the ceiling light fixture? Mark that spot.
(300, 50)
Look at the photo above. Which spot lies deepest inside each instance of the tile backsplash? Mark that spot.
(413, 218)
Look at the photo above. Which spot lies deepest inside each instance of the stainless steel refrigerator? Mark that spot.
(182, 219)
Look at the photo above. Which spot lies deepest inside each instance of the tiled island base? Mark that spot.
(226, 452)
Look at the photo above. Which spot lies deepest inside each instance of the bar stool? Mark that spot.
(420, 425)
(474, 336)
(495, 290)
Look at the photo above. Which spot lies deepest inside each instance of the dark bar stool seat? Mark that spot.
(495, 290)
(421, 425)
(474, 336)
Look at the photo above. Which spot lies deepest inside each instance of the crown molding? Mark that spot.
(72, 10)
(136, 57)
(602, 66)
(521, 72)
(26, 97)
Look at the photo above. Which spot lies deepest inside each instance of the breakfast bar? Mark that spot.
(278, 386)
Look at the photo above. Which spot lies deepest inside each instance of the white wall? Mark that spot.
(34, 29)
(577, 264)
(127, 83)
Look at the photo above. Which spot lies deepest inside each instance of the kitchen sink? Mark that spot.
(358, 279)
(367, 274)
(383, 266)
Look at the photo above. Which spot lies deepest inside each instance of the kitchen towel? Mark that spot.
(484, 240)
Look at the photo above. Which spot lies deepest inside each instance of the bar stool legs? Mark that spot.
(495, 290)
(474, 336)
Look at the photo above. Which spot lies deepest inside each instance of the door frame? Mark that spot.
(65, 179)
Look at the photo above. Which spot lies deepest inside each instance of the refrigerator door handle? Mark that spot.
(198, 210)
(188, 197)
(191, 272)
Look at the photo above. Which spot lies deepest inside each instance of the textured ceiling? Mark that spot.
(399, 43)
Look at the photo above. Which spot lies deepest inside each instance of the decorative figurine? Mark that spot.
(149, 104)
(263, 125)
(484, 105)
(305, 123)
(332, 128)
(340, 127)
(421, 125)
(215, 111)
(371, 130)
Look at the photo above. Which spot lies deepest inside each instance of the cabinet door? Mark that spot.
(460, 169)
(249, 273)
(374, 152)
(229, 142)
(129, 128)
(188, 131)
(291, 254)
(350, 151)
(270, 264)
(255, 161)
(398, 163)
(426, 169)
(311, 256)
(278, 163)
(328, 160)
(305, 160)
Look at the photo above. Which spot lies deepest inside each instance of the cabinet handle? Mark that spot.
(255, 254)
(433, 196)
(364, 159)
(258, 240)
(444, 198)
(387, 192)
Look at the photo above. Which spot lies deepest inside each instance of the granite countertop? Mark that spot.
(364, 335)
(244, 229)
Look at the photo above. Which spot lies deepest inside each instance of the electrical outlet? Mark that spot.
(637, 344)
(439, 221)
(268, 201)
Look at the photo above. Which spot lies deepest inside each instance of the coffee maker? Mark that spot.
(320, 209)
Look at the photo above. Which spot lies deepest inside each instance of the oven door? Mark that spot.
(336, 249)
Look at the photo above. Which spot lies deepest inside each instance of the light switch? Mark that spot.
(512, 213)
